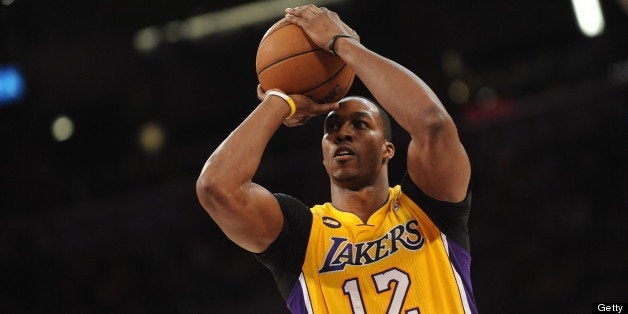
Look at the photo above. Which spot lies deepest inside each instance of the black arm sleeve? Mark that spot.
(451, 218)
(284, 257)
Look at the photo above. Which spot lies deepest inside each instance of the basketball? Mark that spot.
(288, 60)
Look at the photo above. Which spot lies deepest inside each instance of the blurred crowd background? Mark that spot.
(108, 110)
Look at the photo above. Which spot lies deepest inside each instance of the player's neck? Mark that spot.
(362, 202)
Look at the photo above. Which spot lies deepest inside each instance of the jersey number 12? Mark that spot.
(383, 282)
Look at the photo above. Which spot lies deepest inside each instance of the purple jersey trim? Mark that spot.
(461, 261)
(296, 303)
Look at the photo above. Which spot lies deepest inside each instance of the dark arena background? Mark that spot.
(108, 110)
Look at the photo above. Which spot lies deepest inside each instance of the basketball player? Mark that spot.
(372, 248)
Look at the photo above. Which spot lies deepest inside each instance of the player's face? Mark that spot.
(354, 146)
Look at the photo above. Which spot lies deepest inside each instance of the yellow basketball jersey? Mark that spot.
(398, 261)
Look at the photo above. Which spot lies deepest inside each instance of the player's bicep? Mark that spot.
(249, 216)
(439, 165)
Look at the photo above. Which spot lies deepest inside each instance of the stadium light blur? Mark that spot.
(458, 92)
(62, 128)
(203, 25)
(152, 137)
(11, 85)
(589, 16)
(452, 63)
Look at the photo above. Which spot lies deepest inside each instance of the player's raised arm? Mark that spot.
(246, 212)
(437, 161)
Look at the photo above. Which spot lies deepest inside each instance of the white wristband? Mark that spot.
(289, 101)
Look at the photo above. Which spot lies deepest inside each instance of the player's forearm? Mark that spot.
(402, 93)
(236, 160)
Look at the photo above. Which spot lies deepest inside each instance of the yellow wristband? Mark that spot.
(289, 101)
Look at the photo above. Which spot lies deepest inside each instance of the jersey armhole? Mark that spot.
(451, 218)
(284, 257)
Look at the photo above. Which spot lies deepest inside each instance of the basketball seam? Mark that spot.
(278, 28)
(323, 83)
(286, 58)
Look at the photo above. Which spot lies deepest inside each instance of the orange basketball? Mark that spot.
(288, 60)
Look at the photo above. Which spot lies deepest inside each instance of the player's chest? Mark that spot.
(335, 246)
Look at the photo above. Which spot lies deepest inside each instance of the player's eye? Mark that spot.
(360, 124)
(331, 126)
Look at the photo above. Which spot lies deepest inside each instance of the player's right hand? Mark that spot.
(320, 24)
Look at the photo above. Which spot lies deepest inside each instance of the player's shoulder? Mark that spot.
(292, 208)
(322, 209)
(289, 202)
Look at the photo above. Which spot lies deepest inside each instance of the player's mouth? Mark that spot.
(344, 153)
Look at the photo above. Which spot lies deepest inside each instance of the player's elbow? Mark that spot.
(204, 186)
(439, 123)
(435, 124)
(210, 192)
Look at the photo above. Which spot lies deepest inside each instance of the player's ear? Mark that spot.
(389, 151)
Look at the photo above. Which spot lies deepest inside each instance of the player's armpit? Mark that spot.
(249, 216)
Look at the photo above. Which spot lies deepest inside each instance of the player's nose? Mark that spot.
(344, 134)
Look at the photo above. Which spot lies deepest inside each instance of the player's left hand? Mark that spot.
(306, 108)
(320, 24)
